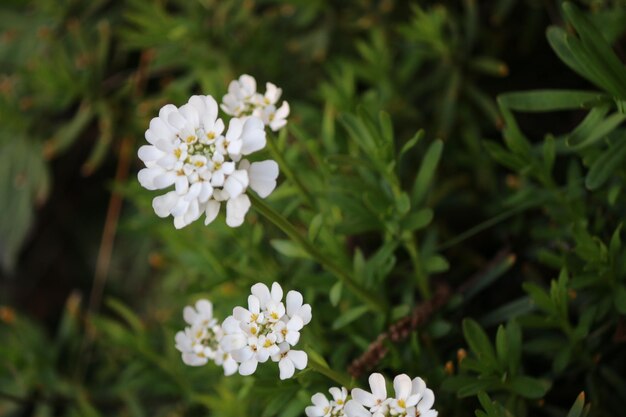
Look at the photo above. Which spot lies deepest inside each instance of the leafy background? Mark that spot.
(469, 149)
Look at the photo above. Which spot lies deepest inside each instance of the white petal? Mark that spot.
(236, 210)
(261, 292)
(377, 384)
(254, 305)
(363, 397)
(212, 209)
(177, 120)
(320, 400)
(312, 411)
(253, 136)
(206, 192)
(283, 111)
(402, 386)
(299, 358)
(248, 367)
(263, 177)
(235, 127)
(236, 183)
(190, 114)
(190, 315)
(205, 307)
(427, 401)
(286, 367)
(230, 366)
(160, 130)
(294, 302)
(354, 409)
(248, 83)
(292, 337)
(192, 359)
(164, 180)
(147, 175)
(164, 204)
(149, 153)
(182, 184)
(233, 342)
(243, 355)
(179, 222)
(305, 314)
(231, 326)
(241, 314)
(418, 386)
(277, 292)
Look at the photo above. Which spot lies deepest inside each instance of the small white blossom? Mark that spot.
(323, 408)
(191, 150)
(199, 342)
(242, 100)
(412, 399)
(267, 330)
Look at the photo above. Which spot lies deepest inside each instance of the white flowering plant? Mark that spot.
(352, 207)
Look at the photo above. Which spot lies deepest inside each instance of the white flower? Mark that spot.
(275, 118)
(242, 100)
(323, 408)
(189, 150)
(199, 342)
(425, 401)
(377, 400)
(267, 329)
(289, 360)
(412, 399)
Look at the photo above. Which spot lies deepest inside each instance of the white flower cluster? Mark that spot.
(323, 408)
(412, 399)
(243, 100)
(267, 329)
(191, 149)
(199, 342)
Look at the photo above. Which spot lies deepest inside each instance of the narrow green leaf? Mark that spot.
(479, 344)
(289, 249)
(605, 165)
(598, 47)
(590, 134)
(549, 100)
(529, 387)
(349, 316)
(577, 407)
(426, 172)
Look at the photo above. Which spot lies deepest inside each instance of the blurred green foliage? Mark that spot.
(424, 138)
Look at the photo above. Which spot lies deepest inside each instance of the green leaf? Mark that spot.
(549, 100)
(436, 264)
(289, 249)
(410, 144)
(591, 130)
(505, 157)
(502, 349)
(529, 387)
(549, 153)
(620, 299)
(597, 47)
(335, 293)
(349, 316)
(479, 344)
(426, 172)
(577, 407)
(417, 220)
(603, 167)
(513, 136)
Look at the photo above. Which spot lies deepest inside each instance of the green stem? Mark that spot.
(420, 275)
(322, 368)
(286, 169)
(343, 275)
